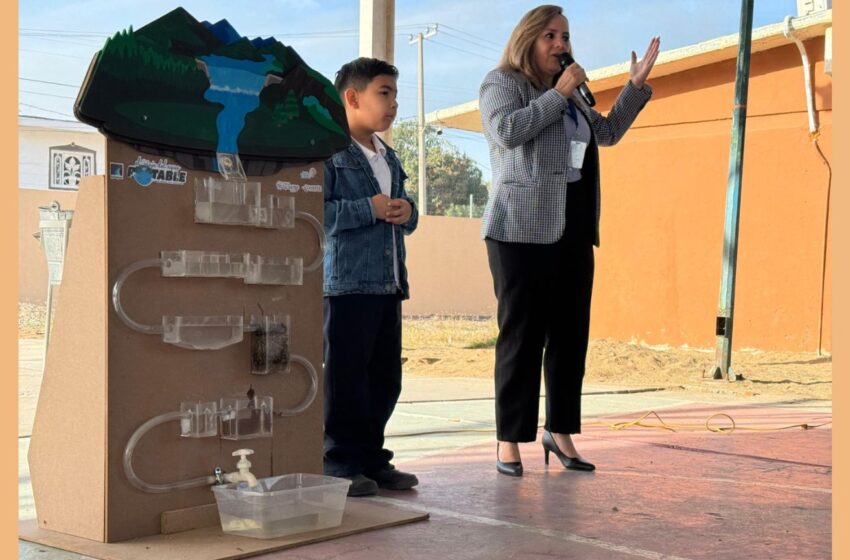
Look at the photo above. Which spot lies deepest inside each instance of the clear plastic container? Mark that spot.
(226, 202)
(202, 419)
(246, 417)
(282, 271)
(241, 203)
(209, 332)
(275, 211)
(269, 344)
(203, 264)
(282, 505)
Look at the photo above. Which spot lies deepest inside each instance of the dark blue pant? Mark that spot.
(362, 380)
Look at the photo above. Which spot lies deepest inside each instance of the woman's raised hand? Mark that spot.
(639, 71)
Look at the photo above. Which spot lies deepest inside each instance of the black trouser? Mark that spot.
(362, 380)
(543, 294)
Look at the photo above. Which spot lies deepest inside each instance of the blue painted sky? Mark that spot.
(57, 39)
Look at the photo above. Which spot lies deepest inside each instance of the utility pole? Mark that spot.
(377, 37)
(419, 38)
(722, 368)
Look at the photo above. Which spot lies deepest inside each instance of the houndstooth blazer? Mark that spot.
(528, 145)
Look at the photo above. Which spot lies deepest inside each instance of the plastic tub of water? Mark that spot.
(282, 505)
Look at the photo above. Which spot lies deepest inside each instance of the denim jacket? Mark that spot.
(358, 254)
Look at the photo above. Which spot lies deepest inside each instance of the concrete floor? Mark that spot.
(656, 494)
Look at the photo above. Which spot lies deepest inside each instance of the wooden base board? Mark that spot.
(210, 543)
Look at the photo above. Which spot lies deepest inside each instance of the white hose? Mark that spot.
(788, 31)
(311, 392)
(116, 296)
(158, 488)
(320, 233)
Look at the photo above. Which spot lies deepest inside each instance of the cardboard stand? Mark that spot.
(103, 380)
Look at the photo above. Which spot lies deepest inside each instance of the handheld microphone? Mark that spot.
(566, 59)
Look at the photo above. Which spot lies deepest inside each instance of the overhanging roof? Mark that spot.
(466, 116)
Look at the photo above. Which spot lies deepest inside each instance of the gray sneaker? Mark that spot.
(361, 486)
(389, 478)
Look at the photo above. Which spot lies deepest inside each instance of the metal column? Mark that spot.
(725, 314)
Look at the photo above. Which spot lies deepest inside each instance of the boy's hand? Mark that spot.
(399, 211)
(381, 206)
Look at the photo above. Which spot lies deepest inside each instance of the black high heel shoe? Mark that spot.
(572, 463)
(510, 469)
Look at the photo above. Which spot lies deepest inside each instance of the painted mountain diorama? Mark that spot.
(197, 88)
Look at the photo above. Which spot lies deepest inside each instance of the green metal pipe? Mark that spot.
(726, 306)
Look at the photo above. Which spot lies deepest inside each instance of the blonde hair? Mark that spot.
(519, 52)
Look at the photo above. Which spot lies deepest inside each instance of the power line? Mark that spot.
(335, 32)
(441, 88)
(416, 25)
(64, 41)
(75, 86)
(459, 136)
(98, 38)
(43, 109)
(461, 131)
(46, 94)
(54, 54)
(464, 51)
(438, 95)
(471, 35)
(476, 43)
(62, 31)
(38, 32)
(316, 36)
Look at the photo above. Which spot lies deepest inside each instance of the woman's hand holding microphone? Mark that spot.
(570, 79)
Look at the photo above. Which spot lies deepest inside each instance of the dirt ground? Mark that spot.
(453, 347)
(464, 348)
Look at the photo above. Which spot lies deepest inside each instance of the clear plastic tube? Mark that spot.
(311, 392)
(320, 233)
(158, 488)
(116, 296)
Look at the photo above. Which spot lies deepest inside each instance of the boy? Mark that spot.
(367, 214)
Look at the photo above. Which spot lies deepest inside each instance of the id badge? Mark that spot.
(577, 153)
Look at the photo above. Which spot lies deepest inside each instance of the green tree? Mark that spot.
(452, 175)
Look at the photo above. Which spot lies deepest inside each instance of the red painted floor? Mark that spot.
(655, 494)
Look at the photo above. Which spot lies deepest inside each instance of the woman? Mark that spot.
(540, 226)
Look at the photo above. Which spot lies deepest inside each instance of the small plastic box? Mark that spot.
(282, 271)
(269, 344)
(282, 505)
(208, 332)
(208, 264)
(226, 202)
(246, 418)
(202, 420)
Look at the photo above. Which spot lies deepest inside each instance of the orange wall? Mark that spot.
(663, 205)
(447, 268)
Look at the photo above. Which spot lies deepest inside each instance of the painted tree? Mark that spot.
(288, 110)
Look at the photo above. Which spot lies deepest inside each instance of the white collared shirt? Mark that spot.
(377, 158)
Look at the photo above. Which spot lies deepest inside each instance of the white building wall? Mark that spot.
(35, 138)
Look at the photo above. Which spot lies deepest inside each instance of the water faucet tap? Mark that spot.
(243, 466)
